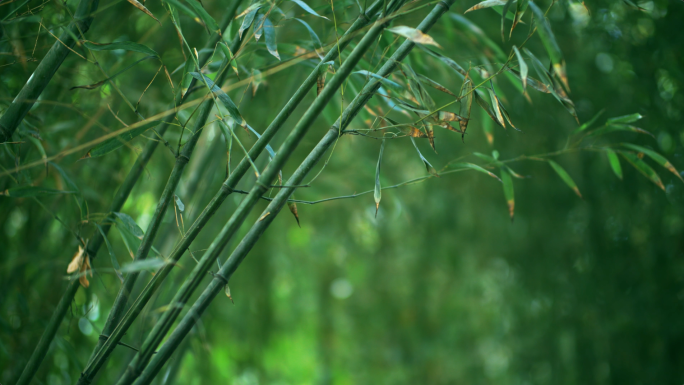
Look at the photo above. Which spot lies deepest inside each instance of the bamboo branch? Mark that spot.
(225, 190)
(199, 272)
(222, 278)
(40, 78)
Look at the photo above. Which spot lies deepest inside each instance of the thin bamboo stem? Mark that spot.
(40, 78)
(261, 186)
(224, 274)
(225, 190)
(96, 242)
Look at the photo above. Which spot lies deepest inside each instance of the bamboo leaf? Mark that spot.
(614, 162)
(124, 45)
(229, 55)
(523, 68)
(496, 107)
(78, 196)
(413, 34)
(32, 191)
(307, 8)
(377, 193)
(549, 41)
(520, 9)
(259, 26)
(314, 37)
(509, 193)
(143, 9)
(269, 32)
(643, 168)
(206, 18)
(249, 18)
(449, 62)
(565, 176)
(76, 260)
(130, 225)
(427, 164)
(625, 119)
(394, 86)
(486, 4)
(150, 264)
(112, 257)
(293, 209)
(588, 123)
(116, 142)
(618, 127)
(426, 80)
(475, 167)
(504, 13)
(661, 160)
(223, 97)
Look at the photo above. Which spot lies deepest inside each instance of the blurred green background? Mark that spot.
(441, 287)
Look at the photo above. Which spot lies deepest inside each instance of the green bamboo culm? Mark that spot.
(101, 355)
(225, 190)
(261, 186)
(221, 279)
(97, 240)
(40, 78)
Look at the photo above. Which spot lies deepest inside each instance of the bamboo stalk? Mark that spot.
(96, 242)
(224, 274)
(40, 78)
(225, 190)
(261, 186)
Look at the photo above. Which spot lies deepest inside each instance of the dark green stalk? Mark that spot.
(261, 186)
(224, 274)
(225, 190)
(40, 78)
(96, 242)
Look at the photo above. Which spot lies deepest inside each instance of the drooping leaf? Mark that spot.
(150, 264)
(549, 41)
(523, 67)
(427, 164)
(504, 13)
(314, 37)
(394, 86)
(588, 124)
(78, 196)
(520, 9)
(124, 45)
(229, 55)
(117, 142)
(141, 7)
(643, 168)
(426, 80)
(76, 260)
(661, 160)
(377, 193)
(112, 257)
(130, 225)
(269, 32)
(449, 62)
(32, 191)
(223, 97)
(625, 119)
(546, 78)
(475, 167)
(618, 127)
(413, 34)
(206, 18)
(431, 136)
(509, 193)
(293, 209)
(565, 176)
(614, 162)
(249, 18)
(307, 8)
(496, 107)
(486, 4)
(486, 107)
(259, 26)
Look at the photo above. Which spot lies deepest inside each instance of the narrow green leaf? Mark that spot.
(520, 9)
(413, 34)
(504, 13)
(625, 119)
(427, 81)
(32, 191)
(307, 8)
(208, 21)
(661, 160)
(269, 32)
(449, 62)
(643, 168)
(486, 4)
(394, 86)
(618, 127)
(588, 123)
(125, 45)
(509, 193)
(565, 176)
(259, 26)
(116, 142)
(229, 55)
(523, 68)
(314, 37)
(377, 194)
(614, 162)
(475, 167)
(427, 164)
(223, 97)
(549, 41)
(247, 21)
(130, 225)
(112, 257)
